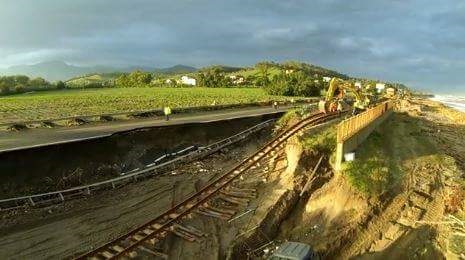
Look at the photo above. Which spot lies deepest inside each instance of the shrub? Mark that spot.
(4, 90)
(20, 88)
(322, 142)
(372, 172)
(60, 85)
(369, 176)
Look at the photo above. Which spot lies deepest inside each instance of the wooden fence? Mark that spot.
(353, 125)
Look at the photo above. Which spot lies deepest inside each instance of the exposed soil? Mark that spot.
(76, 226)
(405, 226)
(61, 166)
(340, 222)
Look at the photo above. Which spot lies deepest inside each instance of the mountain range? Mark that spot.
(60, 70)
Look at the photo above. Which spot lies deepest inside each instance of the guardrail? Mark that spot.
(352, 125)
(134, 175)
(157, 111)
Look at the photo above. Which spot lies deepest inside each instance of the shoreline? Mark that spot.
(451, 102)
(452, 113)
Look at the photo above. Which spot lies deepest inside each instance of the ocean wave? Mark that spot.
(456, 102)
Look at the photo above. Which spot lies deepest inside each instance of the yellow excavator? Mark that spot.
(334, 98)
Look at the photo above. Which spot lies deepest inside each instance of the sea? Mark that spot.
(457, 102)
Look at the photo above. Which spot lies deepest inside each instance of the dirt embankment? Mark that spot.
(75, 226)
(412, 223)
(410, 217)
(280, 214)
(61, 166)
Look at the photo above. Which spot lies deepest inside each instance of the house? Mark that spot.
(168, 81)
(358, 84)
(289, 71)
(380, 87)
(391, 92)
(326, 79)
(188, 81)
(237, 79)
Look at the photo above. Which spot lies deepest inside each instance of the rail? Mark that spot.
(348, 127)
(134, 175)
(157, 228)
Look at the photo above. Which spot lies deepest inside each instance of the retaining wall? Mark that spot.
(353, 131)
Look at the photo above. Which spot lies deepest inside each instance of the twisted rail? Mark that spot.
(157, 228)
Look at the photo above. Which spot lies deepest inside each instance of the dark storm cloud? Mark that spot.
(417, 42)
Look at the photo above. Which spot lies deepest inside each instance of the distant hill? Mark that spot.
(276, 68)
(59, 70)
(177, 69)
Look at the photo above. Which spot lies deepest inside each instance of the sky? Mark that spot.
(419, 43)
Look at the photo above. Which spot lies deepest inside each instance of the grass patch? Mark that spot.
(293, 116)
(457, 242)
(321, 142)
(286, 120)
(372, 172)
(66, 103)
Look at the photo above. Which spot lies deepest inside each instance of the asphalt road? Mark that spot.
(30, 138)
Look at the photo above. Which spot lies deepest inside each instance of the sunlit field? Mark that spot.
(65, 103)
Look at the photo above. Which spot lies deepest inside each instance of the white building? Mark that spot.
(188, 81)
(168, 81)
(358, 84)
(326, 79)
(380, 87)
(236, 79)
(289, 71)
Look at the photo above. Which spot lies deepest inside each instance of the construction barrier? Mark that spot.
(353, 131)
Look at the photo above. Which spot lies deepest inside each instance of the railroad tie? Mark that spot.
(233, 200)
(220, 210)
(240, 195)
(153, 252)
(117, 248)
(216, 211)
(241, 189)
(210, 213)
(189, 233)
(191, 229)
(107, 254)
(183, 234)
(132, 254)
(147, 231)
(137, 237)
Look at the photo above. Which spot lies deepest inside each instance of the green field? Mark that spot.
(66, 103)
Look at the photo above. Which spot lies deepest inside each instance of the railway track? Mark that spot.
(148, 234)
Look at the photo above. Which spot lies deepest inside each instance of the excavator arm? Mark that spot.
(343, 86)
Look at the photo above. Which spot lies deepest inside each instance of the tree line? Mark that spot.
(22, 83)
(288, 79)
(291, 78)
